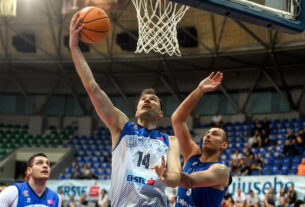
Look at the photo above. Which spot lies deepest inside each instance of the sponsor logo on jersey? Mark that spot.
(188, 192)
(182, 202)
(50, 202)
(26, 193)
(161, 138)
(147, 142)
(151, 181)
(28, 200)
(138, 179)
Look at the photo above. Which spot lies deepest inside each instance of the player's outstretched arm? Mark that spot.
(169, 173)
(216, 175)
(111, 116)
(179, 117)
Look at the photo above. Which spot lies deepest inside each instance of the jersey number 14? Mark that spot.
(144, 160)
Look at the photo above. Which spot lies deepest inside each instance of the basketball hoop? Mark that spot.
(157, 21)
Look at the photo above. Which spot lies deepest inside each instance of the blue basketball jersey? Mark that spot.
(133, 182)
(28, 198)
(202, 196)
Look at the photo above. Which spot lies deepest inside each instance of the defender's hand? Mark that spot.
(211, 83)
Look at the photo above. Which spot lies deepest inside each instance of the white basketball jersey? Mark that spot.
(133, 182)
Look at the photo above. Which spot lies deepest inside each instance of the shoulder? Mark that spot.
(220, 170)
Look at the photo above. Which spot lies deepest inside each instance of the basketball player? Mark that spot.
(135, 146)
(34, 192)
(204, 179)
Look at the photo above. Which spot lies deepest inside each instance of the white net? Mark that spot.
(157, 21)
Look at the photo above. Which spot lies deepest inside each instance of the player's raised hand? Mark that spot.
(75, 29)
(212, 82)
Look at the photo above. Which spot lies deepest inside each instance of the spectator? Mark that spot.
(227, 200)
(291, 195)
(257, 126)
(62, 197)
(235, 167)
(76, 168)
(85, 171)
(255, 140)
(103, 200)
(82, 202)
(239, 198)
(265, 126)
(281, 198)
(252, 200)
(76, 175)
(248, 156)
(255, 169)
(237, 155)
(172, 198)
(301, 140)
(217, 121)
(257, 160)
(71, 202)
(270, 198)
(90, 175)
(300, 203)
(290, 142)
(265, 139)
(244, 169)
(291, 137)
(301, 167)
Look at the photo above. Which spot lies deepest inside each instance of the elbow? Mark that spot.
(175, 118)
(185, 181)
(92, 88)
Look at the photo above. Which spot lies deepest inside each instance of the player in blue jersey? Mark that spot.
(136, 146)
(204, 179)
(34, 192)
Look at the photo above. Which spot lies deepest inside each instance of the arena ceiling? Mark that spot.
(251, 57)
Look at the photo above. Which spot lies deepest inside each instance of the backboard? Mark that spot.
(281, 15)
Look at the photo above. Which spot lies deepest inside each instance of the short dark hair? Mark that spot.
(31, 160)
(153, 92)
(225, 136)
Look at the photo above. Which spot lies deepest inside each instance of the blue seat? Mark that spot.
(263, 149)
(266, 170)
(270, 161)
(285, 170)
(62, 177)
(276, 170)
(296, 160)
(80, 159)
(294, 167)
(91, 165)
(287, 160)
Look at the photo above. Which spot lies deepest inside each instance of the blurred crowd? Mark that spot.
(284, 198)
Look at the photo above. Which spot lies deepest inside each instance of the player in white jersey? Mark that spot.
(136, 146)
(33, 193)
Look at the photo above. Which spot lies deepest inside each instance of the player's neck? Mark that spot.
(148, 124)
(206, 157)
(38, 185)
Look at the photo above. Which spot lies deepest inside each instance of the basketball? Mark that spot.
(97, 24)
